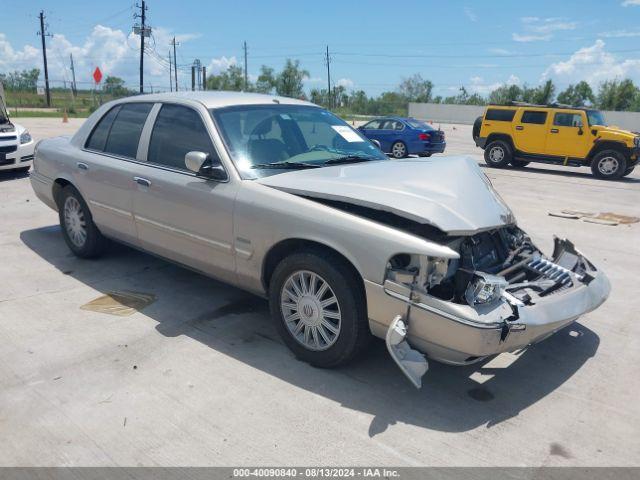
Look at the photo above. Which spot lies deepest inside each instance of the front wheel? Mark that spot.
(398, 150)
(497, 154)
(318, 304)
(79, 232)
(609, 164)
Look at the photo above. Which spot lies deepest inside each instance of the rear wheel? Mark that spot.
(79, 232)
(519, 163)
(609, 164)
(318, 304)
(477, 126)
(497, 154)
(399, 150)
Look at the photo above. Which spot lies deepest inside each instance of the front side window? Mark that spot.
(126, 129)
(568, 120)
(372, 125)
(535, 117)
(98, 137)
(177, 131)
(268, 139)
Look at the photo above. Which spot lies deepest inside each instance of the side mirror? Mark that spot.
(376, 143)
(200, 163)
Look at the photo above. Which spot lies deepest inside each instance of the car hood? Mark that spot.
(450, 193)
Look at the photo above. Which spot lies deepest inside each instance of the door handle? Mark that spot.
(142, 181)
(519, 127)
(82, 166)
(554, 130)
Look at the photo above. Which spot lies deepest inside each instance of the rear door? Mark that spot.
(387, 134)
(180, 215)
(105, 169)
(530, 130)
(567, 136)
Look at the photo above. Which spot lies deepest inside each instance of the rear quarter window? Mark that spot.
(499, 115)
(98, 137)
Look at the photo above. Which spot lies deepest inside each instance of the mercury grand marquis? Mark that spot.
(282, 198)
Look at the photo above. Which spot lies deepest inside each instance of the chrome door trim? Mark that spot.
(191, 236)
(111, 209)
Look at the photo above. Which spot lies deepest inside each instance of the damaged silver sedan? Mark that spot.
(282, 198)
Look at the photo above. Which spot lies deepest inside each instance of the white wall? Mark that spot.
(466, 114)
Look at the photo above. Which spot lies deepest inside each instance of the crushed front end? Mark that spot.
(501, 294)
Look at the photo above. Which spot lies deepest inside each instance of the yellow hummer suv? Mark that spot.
(520, 133)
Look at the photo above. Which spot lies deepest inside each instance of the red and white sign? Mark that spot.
(97, 75)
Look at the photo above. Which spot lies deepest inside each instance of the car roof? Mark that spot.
(221, 99)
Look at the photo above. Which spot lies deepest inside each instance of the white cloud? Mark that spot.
(219, 65)
(629, 3)
(593, 64)
(478, 85)
(500, 51)
(540, 29)
(620, 34)
(345, 82)
(471, 15)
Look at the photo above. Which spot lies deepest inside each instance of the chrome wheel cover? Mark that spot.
(310, 310)
(74, 222)
(398, 150)
(608, 165)
(496, 154)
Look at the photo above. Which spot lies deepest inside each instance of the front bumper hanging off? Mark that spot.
(460, 334)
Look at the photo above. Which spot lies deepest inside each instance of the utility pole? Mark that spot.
(143, 31)
(175, 62)
(193, 77)
(74, 88)
(170, 72)
(204, 78)
(246, 75)
(43, 34)
(328, 61)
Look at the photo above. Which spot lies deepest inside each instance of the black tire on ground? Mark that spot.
(519, 163)
(80, 233)
(628, 171)
(353, 332)
(399, 150)
(425, 155)
(497, 154)
(477, 126)
(609, 164)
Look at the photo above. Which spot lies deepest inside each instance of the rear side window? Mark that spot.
(98, 137)
(126, 129)
(539, 118)
(500, 115)
(178, 130)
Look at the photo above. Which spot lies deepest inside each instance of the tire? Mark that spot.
(22, 170)
(519, 163)
(477, 126)
(494, 158)
(398, 150)
(350, 334)
(628, 171)
(424, 155)
(80, 233)
(609, 164)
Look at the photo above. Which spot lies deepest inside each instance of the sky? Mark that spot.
(373, 45)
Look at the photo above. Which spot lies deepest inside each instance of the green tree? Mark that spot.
(617, 95)
(505, 94)
(25, 80)
(416, 89)
(577, 95)
(115, 86)
(266, 80)
(232, 79)
(289, 82)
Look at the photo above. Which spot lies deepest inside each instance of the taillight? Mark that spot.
(424, 137)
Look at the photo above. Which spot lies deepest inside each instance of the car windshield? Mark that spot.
(596, 117)
(419, 124)
(270, 139)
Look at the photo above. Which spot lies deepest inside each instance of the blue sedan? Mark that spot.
(404, 136)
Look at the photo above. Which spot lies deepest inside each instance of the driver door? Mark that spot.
(178, 214)
(568, 135)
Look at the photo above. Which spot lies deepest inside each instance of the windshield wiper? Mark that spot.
(350, 159)
(285, 165)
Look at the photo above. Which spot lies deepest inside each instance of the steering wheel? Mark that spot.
(318, 148)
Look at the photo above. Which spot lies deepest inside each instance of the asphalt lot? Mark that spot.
(200, 377)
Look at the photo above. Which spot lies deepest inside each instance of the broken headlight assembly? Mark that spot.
(420, 272)
(484, 288)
